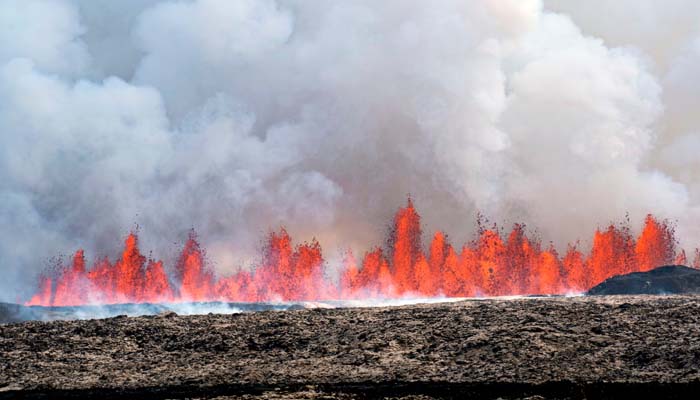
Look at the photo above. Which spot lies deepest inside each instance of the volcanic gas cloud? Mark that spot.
(494, 263)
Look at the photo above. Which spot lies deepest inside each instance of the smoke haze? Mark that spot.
(235, 117)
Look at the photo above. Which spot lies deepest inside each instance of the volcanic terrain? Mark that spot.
(669, 279)
(576, 347)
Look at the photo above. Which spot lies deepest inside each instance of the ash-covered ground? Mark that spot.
(580, 347)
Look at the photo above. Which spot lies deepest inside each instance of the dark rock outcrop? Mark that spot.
(670, 279)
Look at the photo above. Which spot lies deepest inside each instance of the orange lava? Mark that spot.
(495, 263)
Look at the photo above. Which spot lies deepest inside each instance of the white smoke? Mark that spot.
(233, 117)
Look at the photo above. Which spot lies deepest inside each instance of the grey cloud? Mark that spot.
(236, 117)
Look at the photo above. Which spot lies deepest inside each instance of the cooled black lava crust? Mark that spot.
(585, 347)
(669, 279)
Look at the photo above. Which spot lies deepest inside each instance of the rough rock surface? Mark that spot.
(581, 347)
(670, 279)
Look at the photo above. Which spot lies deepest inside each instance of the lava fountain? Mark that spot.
(495, 263)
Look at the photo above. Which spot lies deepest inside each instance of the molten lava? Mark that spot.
(493, 264)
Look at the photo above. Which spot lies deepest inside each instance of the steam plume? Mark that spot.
(233, 117)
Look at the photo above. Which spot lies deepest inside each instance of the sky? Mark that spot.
(234, 118)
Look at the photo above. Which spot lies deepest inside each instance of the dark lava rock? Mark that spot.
(586, 347)
(168, 314)
(12, 313)
(670, 279)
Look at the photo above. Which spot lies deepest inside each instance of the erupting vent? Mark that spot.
(493, 264)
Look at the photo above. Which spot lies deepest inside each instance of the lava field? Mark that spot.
(576, 347)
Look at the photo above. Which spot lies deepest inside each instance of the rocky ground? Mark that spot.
(582, 347)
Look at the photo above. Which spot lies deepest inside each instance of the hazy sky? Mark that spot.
(234, 117)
